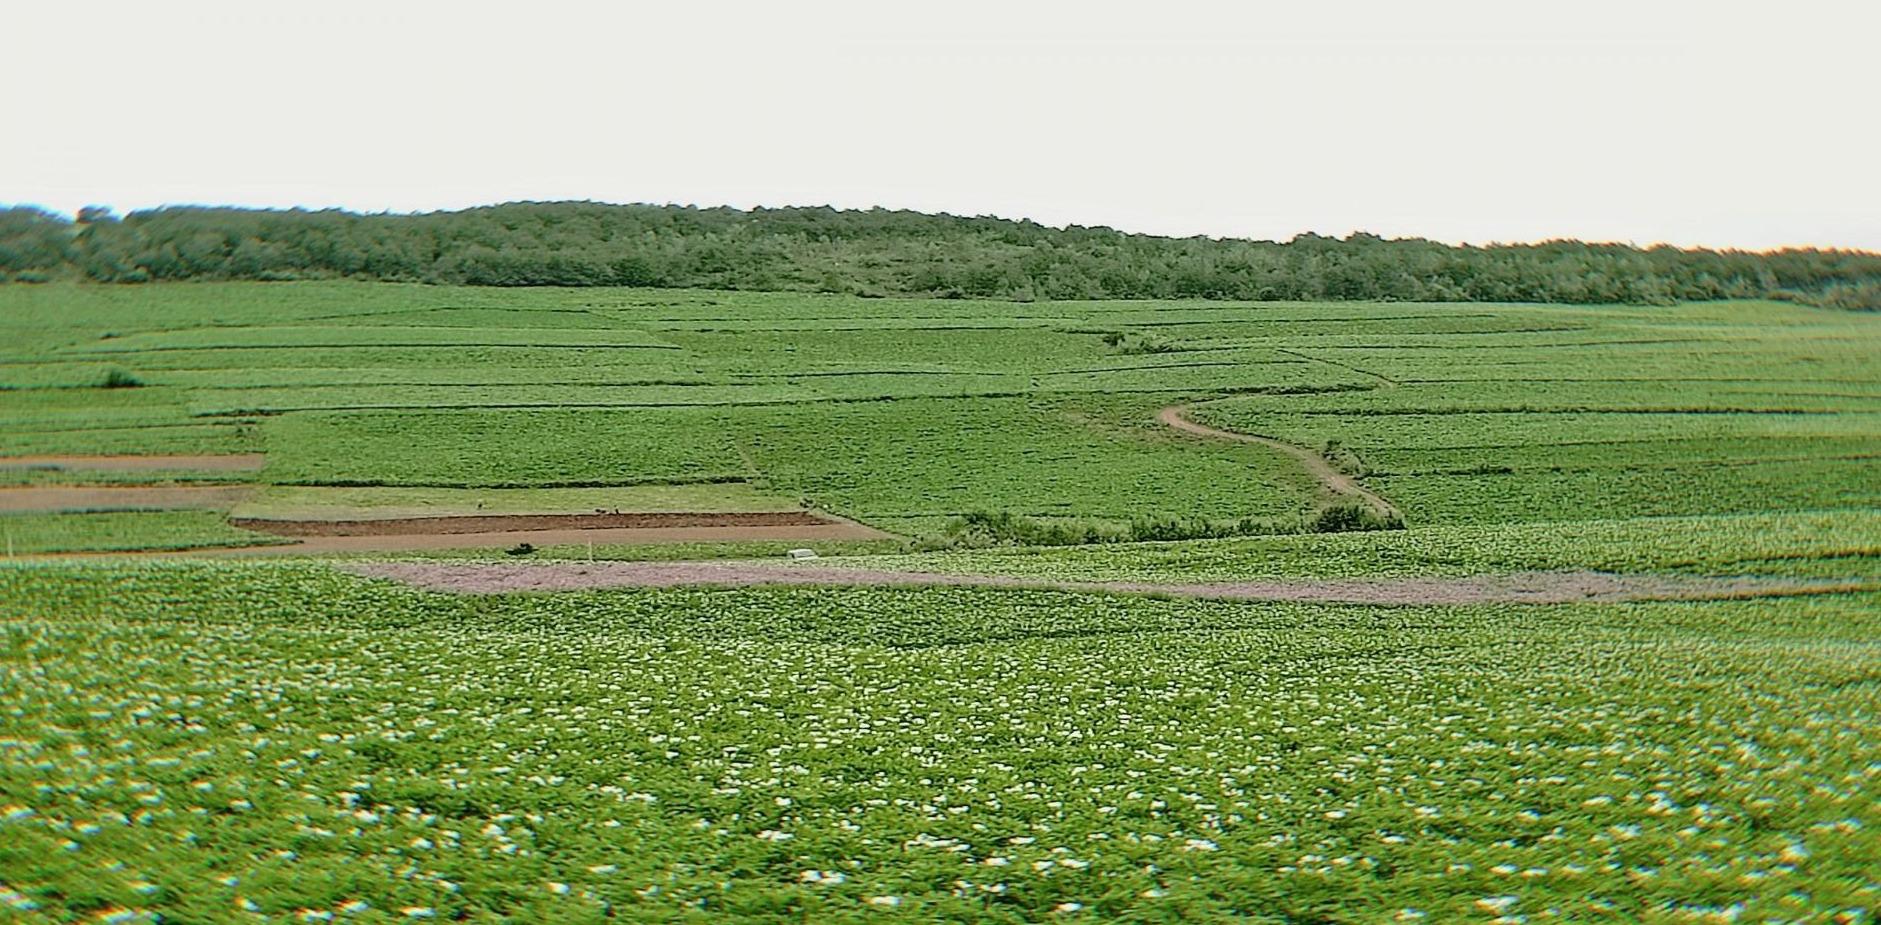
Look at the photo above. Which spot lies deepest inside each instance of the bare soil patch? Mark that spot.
(1518, 588)
(517, 523)
(236, 462)
(53, 498)
(822, 531)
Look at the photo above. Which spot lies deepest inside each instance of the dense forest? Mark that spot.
(884, 253)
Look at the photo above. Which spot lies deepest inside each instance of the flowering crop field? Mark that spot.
(1828, 544)
(225, 742)
(199, 740)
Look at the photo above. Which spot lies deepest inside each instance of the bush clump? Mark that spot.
(1003, 528)
(117, 377)
(1354, 518)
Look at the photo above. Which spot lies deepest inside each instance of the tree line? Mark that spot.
(881, 252)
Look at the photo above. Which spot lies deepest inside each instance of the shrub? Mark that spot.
(118, 377)
(1352, 518)
(1144, 343)
(982, 528)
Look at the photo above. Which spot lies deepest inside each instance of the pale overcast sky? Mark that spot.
(1710, 123)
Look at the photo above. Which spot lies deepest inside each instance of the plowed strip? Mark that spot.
(238, 462)
(355, 545)
(516, 523)
(48, 498)
(1518, 588)
(826, 532)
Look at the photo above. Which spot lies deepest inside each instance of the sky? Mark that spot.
(1723, 124)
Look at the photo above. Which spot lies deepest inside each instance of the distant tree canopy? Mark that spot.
(885, 253)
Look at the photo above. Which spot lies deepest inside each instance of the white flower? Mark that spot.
(1496, 904)
(1199, 844)
(889, 901)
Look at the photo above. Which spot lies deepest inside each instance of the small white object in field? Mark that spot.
(802, 554)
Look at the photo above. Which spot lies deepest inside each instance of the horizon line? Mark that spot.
(365, 213)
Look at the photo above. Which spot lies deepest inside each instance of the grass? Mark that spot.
(546, 447)
(919, 755)
(122, 531)
(915, 465)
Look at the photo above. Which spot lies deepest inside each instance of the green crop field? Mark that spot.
(226, 740)
(908, 415)
(211, 742)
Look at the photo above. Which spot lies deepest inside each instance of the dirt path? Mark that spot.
(1322, 471)
(52, 498)
(239, 462)
(1518, 588)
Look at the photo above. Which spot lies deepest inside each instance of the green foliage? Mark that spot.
(171, 748)
(1351, 517)
(978, 529)
(1849, 296)
(884, 253)
(1143, 344)
(120, 378)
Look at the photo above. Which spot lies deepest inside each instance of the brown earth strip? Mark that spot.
(53, 498)
(1518, 588)
(517, 523)
(822, 532)
(1316, 465)
(237, 462)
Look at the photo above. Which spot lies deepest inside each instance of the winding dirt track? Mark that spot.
(1322, 471)
(1518, 588)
